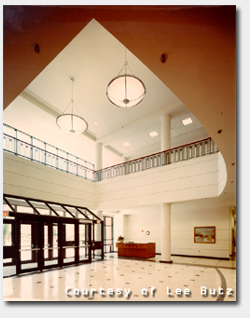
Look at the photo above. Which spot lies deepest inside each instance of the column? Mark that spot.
(125, 159)
(98, 160)
(98, 156)
(166, 233)
(165, 132)
(165, 207)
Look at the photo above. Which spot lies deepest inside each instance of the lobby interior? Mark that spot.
(186, 57)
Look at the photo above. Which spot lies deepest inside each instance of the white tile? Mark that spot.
(135, 276)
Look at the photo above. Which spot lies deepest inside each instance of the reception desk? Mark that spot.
(140, 250)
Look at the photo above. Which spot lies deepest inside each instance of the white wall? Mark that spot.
(187, 180)
(184, 217)
(143, 220)
(222, 176)
(25, 178)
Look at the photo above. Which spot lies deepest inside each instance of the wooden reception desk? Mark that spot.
(140, 250)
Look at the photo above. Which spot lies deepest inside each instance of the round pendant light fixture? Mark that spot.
(69, 121)
(125, 90)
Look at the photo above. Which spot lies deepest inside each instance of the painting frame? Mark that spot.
(205, 234)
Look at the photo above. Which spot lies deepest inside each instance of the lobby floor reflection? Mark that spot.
(119, 279)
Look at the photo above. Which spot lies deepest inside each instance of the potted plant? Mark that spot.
(120, 239)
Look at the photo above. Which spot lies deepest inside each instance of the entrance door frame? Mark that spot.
(38, 242)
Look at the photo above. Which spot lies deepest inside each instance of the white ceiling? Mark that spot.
(93, 58)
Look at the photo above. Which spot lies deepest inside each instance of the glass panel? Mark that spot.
(69, 255)
(44, 211)
(58, 209)
(83, 253)
(72, 210)
(51, 244)
(25, 242)
(55, 240)
(82, 235)
(108, 242)
(7, 237)
(25, 209)
(46, 241)
(29, 265)
(69, 232)
(7, 260)
(108, 221)
(38, 150)
(98, 228)
(108, 232)
(107, 249)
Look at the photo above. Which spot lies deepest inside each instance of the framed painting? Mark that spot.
(205, 234)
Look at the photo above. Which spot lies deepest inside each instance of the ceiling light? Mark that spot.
(125, 90)
(187, 121)
(126, 144)
(153, 134)
(70, 121)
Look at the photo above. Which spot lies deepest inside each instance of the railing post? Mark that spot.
(16, 150)
(67, 162)
(31, 148)
(45, 157)
(57, 164)
(77, 166)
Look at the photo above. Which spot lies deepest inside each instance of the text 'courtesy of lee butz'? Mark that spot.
(146, 292)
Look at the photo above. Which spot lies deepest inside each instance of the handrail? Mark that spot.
(176, 154)
(157, 153)
(45, 143)
(48, 152)
(35, 153)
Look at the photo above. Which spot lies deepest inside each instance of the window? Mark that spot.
(108, 234)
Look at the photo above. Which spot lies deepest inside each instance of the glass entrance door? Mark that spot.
(50, 245)
(9, 255)
(84, 242)
(29, 251)
(69, 243)
(97, 240)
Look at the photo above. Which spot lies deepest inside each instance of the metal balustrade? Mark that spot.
(185, 152)
(36, 150)
(29, 147)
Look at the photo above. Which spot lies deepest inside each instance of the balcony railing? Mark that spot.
(29, 147)
(26, 146)
(185, 152)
